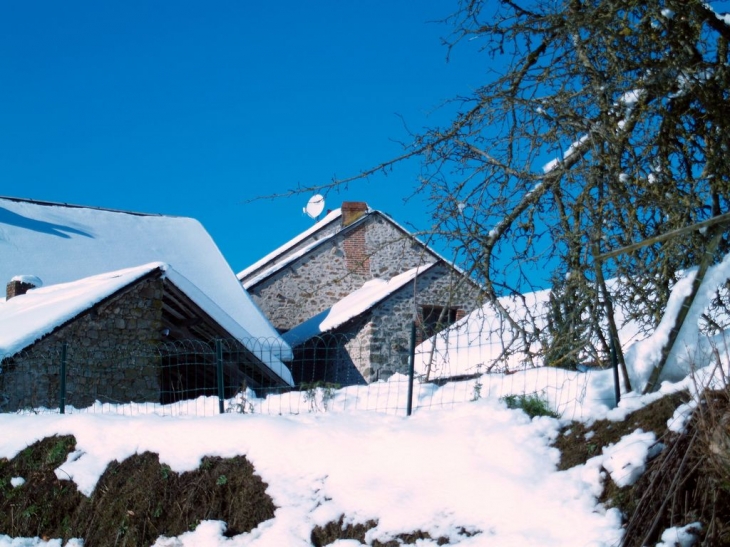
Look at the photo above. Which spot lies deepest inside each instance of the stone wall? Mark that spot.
(391, 319)
(296, 249)
(111, 356)
(306, 287)
(359, 348)
(334, 357)
(378, 344)
(391, 250)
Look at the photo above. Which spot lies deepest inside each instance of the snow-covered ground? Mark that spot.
(475, 465)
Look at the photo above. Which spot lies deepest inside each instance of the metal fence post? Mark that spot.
(62, 388)
(614, 366)
(411, 368)
(219, 373)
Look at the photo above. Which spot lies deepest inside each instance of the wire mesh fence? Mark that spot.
(191, 377)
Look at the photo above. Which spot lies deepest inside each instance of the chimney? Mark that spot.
(355, 244)
(352, 210)
(21, 284)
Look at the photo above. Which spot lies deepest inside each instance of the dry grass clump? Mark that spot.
(690, 481)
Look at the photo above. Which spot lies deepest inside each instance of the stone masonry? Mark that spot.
(376, 345)
(110, 355)
(387, 350)
(360, 246)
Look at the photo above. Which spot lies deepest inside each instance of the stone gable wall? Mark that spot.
(109, 358)
(391, 251)
(306, 287)
(326, 231)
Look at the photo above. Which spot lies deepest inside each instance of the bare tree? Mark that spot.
(600, 123)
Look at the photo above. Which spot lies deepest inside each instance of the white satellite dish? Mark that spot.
(315, 206)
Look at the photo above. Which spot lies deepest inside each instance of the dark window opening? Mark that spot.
(436, 318)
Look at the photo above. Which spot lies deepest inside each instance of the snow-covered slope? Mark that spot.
(484, 339)
(474, 466)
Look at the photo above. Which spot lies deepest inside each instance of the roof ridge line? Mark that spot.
(76, 206)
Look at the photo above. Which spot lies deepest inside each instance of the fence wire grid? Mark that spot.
(191, 377)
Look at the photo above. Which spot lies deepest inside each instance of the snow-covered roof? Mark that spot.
(27, 318)
(353, 305)
(321, 232)
(61, 243)
(298, 246)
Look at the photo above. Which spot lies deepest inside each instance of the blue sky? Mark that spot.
(194, 109)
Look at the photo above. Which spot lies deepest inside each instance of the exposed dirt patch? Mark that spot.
(578, 443)
(44, 506)
(689, 481)
(134, 502)
(332, 531)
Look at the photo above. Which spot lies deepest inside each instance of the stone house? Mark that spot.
(199, 294)
(361, 262)
(118, 333)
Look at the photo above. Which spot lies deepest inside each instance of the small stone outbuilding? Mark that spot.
(110, 331)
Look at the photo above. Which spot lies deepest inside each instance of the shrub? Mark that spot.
(533, 405)
(325, 390)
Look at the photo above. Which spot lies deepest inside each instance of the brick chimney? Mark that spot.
(21, 284)
(352, 210)
(355, 245)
